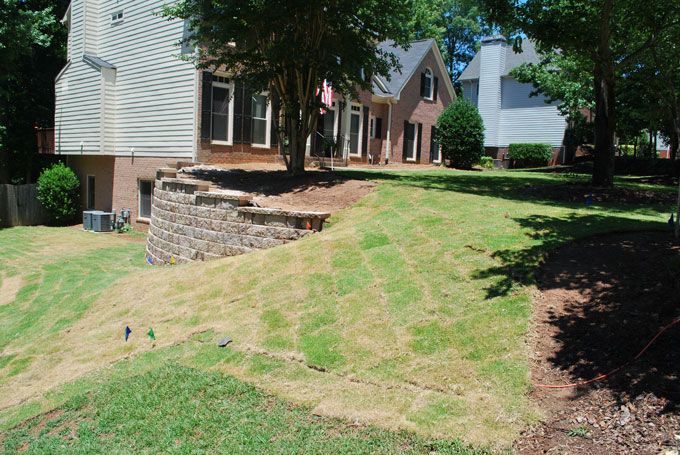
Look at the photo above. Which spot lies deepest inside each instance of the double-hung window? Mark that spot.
(260, 110)
(222, 110)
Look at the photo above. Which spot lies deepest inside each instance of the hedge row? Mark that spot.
(530, 154)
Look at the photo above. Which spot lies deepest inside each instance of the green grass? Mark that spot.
(408, 312)
(176, 409)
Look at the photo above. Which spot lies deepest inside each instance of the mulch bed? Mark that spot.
(600, 301)
(323, 191)
(573, 192)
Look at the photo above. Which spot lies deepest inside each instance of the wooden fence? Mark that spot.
(19, 206)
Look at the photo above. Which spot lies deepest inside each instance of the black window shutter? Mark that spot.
(238, 112)
(276, 106)
(433, 143)
(247, 136)
(420, 142)
(378, 128)
(436, 86)
(403, 154)
(364, 133)
(422, 84)
(206, 104)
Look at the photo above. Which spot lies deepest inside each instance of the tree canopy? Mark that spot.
(290, 47)
(456, 25)
(604, 39)
(32, 48)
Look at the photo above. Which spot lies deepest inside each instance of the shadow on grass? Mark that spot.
(268, 183)
(519, 267)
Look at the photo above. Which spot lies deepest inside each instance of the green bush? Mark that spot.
(530, 154)
(460, 132)
(58, 192)
(486, 162)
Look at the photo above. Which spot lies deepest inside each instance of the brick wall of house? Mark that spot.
(127, 174)
(415, 109)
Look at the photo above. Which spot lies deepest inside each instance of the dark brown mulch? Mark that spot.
(601, 301)
(321, 190)
(573, 192)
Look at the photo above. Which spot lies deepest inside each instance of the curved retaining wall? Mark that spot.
(190, 222)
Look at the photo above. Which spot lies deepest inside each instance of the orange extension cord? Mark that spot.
(604, 376)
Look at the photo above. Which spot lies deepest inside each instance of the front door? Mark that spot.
(354, 131)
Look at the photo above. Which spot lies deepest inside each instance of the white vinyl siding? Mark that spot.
(91, 26)
(78, 96)
(526, 119)
(149, 102)
(489, 101)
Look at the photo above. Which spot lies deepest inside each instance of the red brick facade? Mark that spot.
(409, 107)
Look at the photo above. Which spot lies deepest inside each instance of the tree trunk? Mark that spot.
(605, 106)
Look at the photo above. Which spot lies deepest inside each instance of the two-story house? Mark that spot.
(509, 113)
(126, 104)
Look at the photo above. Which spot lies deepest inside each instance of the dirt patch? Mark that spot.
(572, 192)
(601, 301)
(322, 191)
(9, 287)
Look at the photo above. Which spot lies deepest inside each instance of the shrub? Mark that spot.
(486, 162)
(530, 154)
(460, 132)
(58, 192)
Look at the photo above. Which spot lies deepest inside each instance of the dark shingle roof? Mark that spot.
(409, 60)
(97, 62)
(512, 60)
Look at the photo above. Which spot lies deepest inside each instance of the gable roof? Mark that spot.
(512, 60)
(410, 61)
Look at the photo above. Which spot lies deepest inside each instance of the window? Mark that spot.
(410, 141)
(260, 129)
(145, 194)
(89, 203)
(116, 17)
(435, 149)
(371, 127)
(221, 110)
(427, 84)
(355, 130)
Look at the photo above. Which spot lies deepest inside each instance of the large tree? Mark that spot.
(289, 47)
(608, 34)
(457, 25)
(31, 54)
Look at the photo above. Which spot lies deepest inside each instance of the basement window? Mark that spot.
(116, 17)
(145, 193)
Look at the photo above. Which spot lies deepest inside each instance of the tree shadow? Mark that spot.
(267, 183)
(536, 187)
(603, 299)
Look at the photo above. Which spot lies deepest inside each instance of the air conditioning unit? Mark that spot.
(101, 221)
(87, 219)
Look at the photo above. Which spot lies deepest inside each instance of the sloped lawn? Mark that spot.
(408, 312)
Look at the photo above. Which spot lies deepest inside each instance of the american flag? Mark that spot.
(326, 95)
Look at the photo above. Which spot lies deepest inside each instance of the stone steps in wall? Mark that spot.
(189, 222)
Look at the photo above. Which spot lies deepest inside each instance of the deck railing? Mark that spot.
(44, 138)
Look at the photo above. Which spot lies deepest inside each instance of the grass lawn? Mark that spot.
(409, 312)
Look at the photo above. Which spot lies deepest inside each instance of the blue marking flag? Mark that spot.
(128, 331)
(589, 199)
(149, 260)
(671, 221)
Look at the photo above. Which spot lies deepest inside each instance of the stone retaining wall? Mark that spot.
(189, 222)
